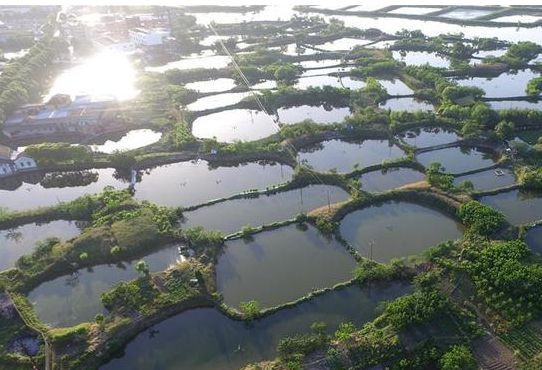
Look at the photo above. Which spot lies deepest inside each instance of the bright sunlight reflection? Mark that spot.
(108, 74)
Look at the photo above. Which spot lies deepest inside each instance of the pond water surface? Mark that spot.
(22, 240)
(420, 58)
(210, 341)
(518, 207)
(319, 114)
(407, 104)
(194, 182)
(216, 85)
(232, 215)
(234, 125)
(457, 159)
(343, 156)
(533, 238)
(391, 178)
(429, 136)
(515, 83)
(487, 180)
(280, 266)
(206, 62)
(131, 140)
(342, 44)
(33, 194)
(217, 101)
(394, 229)
(69, 300)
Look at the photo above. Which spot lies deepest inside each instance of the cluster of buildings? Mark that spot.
(124, 33)
(61, 116)
(12, 162)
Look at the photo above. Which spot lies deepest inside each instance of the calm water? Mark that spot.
(31, 195)
(518, 207)
(413, 10)
(266, 84)
(408, 104)
(280, 266)
(269, 13)
(67, 301)
(435, 28)
(22, 240)
(396, 87)
(466, 13)
(515, 83)
(429, 136)
(318, 114)
(131, 140)
(233, 125)
(210, 341)
(345, 43)
(533, 238)
(231, 216)
(420, 58)
(510, 104)
(352, 82)
(487, 180)
(523, 18)
(317, 81)
(206, 62)
(191, 183)
(217, 85)
(217, 101)
(325, 71)
(394, 229)
(342, 155)
(320, 63)
(457, 159)
(391, 178)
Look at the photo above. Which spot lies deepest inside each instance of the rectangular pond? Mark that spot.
(319, 114)
(515, 82)
(420, 58)
(210, 86)
(205, 339)
(282, 265)
(344, 156)
(406, 104)
(458, 159)
(390, 178)
(429, 136)
(195, 182)
(488, 180)
(397, 229)
(519, 207)
(234, 125)
(232, 215)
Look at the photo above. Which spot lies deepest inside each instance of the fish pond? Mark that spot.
(458, 159)
(393, 230)
(344, 156)
(266, 267)
(231, 216)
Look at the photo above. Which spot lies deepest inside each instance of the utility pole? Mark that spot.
(328, 201)
(371, 244)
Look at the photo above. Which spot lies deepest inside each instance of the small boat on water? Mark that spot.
(499, 173)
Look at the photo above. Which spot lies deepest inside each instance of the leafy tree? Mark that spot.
(435, 176)
(458, 357)
(250, 309)
(480, 218)
(142, 268)
(505, 130)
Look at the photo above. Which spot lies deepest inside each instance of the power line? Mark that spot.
(291, 148)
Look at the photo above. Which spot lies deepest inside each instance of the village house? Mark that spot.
(12, 162)
(61, 116)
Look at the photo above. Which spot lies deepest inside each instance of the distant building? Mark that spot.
(148, 36)
(62, 116)
(13, 162)
(112, 44)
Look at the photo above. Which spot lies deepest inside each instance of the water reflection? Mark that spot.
(108, 73)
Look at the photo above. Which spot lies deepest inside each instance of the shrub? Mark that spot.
(458, 357)
(480, 218)
(250, 309)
